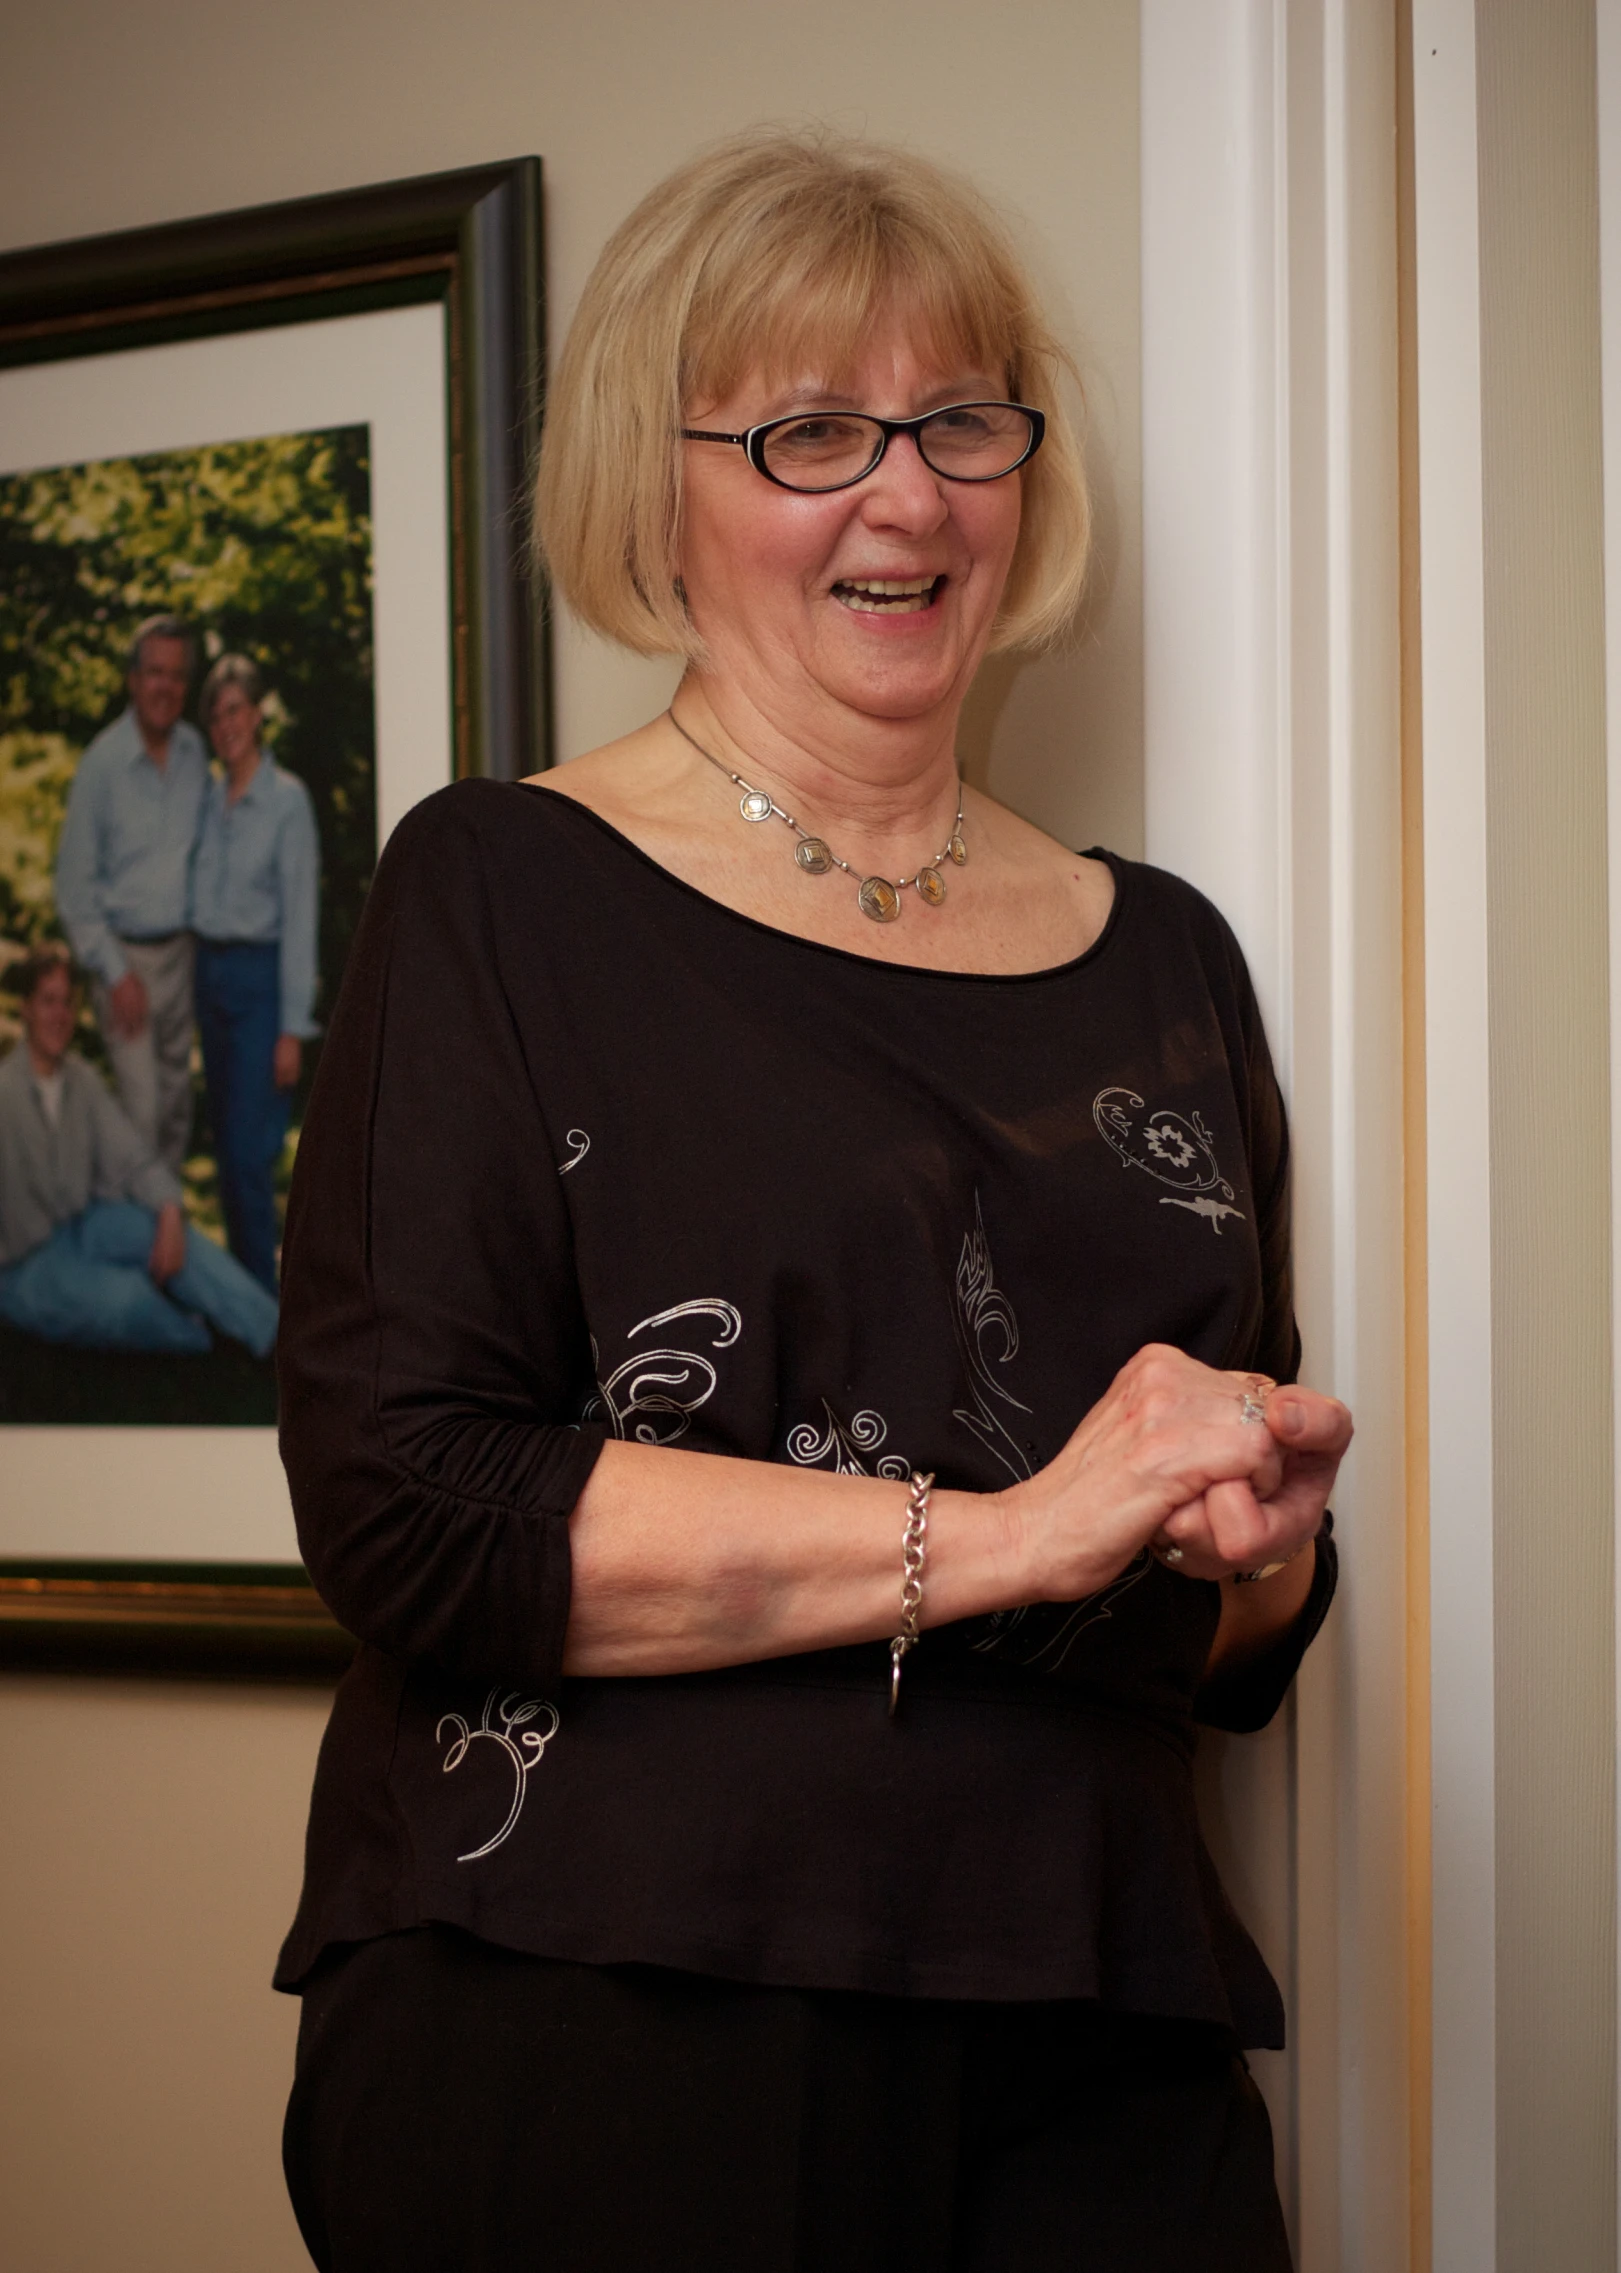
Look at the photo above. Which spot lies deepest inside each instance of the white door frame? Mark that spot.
(1272, 729)
(1458, 1174)
(1609, 165)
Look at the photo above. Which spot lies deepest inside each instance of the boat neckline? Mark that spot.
(1117, 866)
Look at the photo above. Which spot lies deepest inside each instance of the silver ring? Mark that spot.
(1171, 1555)
(1251, 1407)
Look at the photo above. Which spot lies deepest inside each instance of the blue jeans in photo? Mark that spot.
(239, 1018)
(88, 1284)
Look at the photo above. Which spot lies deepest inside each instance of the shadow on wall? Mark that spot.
(1023, 711)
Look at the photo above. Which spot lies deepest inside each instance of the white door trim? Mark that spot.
(1452, 599)
(1609, 165)
(1273, 781)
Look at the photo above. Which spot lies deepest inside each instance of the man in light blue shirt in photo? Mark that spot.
(123, 874)
(255, 898)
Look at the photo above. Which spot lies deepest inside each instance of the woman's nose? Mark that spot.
(901, 491)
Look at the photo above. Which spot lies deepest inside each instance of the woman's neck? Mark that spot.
(884, 789)
(239, 772)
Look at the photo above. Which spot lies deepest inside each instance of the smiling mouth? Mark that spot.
(889, 595)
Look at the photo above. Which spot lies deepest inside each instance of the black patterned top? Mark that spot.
(592, 1155)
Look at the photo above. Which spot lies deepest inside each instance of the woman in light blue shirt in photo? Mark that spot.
(255, 894)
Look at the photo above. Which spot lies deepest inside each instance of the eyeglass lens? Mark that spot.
(968, 442)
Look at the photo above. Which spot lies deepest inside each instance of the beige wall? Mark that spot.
(149, 1856)
(1547, 889)
(149, 1860)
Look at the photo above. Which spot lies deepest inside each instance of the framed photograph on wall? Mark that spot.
(264, 582)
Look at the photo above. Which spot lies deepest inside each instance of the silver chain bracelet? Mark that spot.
(914, 1547)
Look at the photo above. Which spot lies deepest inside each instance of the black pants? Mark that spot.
(464, 2109)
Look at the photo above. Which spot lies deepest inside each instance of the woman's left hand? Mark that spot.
(287, 1061)
(1228, 1528)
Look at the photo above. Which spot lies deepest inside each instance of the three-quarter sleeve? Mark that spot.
(1243, 1696)
(1277, 1344)
(433, 1355)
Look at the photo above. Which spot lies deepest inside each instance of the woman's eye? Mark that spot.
(811, 434)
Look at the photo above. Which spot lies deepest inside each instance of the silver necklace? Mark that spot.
(876, 896)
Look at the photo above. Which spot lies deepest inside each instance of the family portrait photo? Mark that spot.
(188, 825)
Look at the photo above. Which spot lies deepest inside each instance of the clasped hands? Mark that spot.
(1224, 1467)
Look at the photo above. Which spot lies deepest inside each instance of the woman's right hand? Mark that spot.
(1169, 1438)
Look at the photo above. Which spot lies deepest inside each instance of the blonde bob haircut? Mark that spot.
(777, 252)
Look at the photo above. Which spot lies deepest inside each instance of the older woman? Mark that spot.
(788, 1274)
(255, 886)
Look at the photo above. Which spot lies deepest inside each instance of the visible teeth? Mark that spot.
(890, 596)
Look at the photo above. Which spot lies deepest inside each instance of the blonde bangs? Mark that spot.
(779, 253)
(803, 297)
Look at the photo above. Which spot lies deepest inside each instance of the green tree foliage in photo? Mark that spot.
(265, 548)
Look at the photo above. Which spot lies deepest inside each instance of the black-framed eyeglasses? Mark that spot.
(814, 451)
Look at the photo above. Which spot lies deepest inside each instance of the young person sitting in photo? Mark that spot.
(95, 1249)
